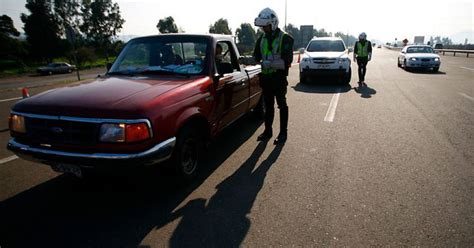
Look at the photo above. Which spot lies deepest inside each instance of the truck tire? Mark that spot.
(435, 69)
(187, 152)
(398, 64)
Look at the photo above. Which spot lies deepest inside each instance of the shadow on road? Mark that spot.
(425, 71)
(121, 212)
(365, 91)
(322, 87)
(223, 222)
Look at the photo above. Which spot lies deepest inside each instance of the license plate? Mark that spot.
(68, 168)
(323, 66)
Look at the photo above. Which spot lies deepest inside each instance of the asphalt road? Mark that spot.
(390, 164)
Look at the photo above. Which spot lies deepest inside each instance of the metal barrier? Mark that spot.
(454, 51)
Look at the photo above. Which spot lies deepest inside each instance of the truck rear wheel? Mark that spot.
(187, 152)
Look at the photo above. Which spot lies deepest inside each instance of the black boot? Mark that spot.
(281, 138)
(266, 135)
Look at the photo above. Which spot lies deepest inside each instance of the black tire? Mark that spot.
(347, 77)
(398, 63)
(187, 152)
(303, 78)
(435, 69)
(405, 65)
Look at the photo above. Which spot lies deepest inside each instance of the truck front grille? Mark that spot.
(61, 132)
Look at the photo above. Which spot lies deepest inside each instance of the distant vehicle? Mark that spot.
(418, 56)
(325, 56)
(438, 46)
(379, 46)
(57, 67)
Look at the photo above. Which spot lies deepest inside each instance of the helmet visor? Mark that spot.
(261, 22)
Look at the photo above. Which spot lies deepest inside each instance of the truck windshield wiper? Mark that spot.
(162, 72)
(124, 73)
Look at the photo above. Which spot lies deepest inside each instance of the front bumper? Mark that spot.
(419, 64)
(156, 154)
(323, 72)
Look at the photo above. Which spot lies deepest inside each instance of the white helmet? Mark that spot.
(362, 36)
(265, 17)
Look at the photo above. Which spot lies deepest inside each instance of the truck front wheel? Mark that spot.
(187, 152)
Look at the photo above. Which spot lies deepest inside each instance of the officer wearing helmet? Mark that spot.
(362, 54)
(274, 51)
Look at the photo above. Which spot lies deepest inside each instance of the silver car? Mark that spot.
(419, 56)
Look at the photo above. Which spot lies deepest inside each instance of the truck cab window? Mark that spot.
(225, 58)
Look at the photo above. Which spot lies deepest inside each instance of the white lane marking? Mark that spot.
(467, 68)
(466, 96)
(10, 99)
(332, 107)
(8, 159)
(295, 64)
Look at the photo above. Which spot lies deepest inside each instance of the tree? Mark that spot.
(6, 26)
(221, 26)
(296, 34)
(10, 47)
(101, 22)
(67, 13)
(348, 39)
(247, 37)
(42, 30)
(167, 25)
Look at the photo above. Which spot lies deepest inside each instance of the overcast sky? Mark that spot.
(383, 20)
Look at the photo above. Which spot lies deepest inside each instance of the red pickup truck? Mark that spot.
(162, 98)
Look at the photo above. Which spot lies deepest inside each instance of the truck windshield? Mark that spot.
(161, 56)
(326, 46)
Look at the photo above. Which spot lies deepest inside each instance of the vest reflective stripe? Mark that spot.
(271, 59)
(363, 51)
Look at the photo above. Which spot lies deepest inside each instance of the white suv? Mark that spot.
(325, 56)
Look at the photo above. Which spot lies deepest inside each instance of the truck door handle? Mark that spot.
(243, 81)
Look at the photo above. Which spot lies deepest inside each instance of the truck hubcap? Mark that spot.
(189, 156)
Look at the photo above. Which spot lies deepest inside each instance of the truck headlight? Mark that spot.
(413, 59)
(120, 132)
(17, 123)
(306, 60)
(436, 59)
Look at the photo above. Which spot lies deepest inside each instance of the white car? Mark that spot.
(419, 56)
(325, 56)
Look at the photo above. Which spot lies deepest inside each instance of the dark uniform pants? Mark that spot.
(362, 63)
(275, 87)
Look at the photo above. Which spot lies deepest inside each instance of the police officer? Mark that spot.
(274, 50)
(362, 54)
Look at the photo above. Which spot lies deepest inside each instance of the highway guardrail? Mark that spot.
(454, 51)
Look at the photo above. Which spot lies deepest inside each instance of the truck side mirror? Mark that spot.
(350, 49)
(302, 50)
